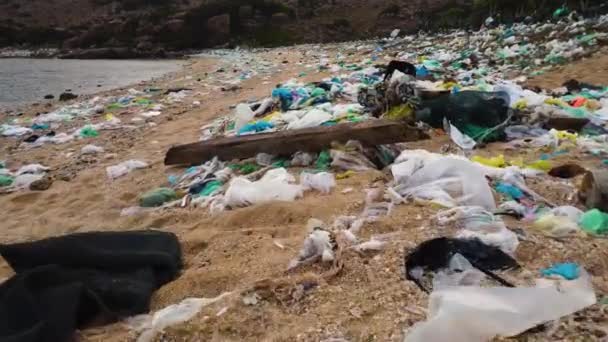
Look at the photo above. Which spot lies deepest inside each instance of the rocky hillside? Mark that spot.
(133, 28)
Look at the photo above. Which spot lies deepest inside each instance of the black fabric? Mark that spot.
(482, 109)
(433, 255)
(404, 67)
(72, 281)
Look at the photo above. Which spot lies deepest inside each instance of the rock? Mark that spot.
(67, 96)
(102, 53)
(175, 25)
(65, 176)
(49, 97)
(145, 45)
(42, 184)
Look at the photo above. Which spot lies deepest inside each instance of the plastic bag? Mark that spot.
(557, 226)
(594, 221)
(124, 168)
(462, 140)
(404, 170)
(317, 244)
(313, 118)
(91, 149)
(275, 185)
(470, 313)
(34, 169)
(157, 197)
(149, 325)
(493, 234)
(462, 179)
(303, 159)
(243, 115)
(322, 181)
(351, 160)
(23, 181)
(460, 272)
(14, 131)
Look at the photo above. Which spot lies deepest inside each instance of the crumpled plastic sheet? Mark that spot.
(477, 222)
(13, 130)
(318, 244)
(148, 326)
(448, 181)
(124, 168)
(472, 313)
(350, 160)
(322, 181)
(312, 118)
(35, 169)
(275, 185)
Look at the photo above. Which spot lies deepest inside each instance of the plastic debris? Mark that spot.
(471, 313)
(148, 326)
(275, 185)
(434, 255)
(322, 181)
(6, 180)
(594, 221)
(91, 149)
(124, 168)
(34, 169)
(568, 271)
(88, 132)
(243, 115)
(157, 197)
(318, 245)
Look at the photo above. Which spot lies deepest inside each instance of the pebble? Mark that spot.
(42, 184)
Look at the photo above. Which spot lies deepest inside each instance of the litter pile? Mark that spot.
(305, 137)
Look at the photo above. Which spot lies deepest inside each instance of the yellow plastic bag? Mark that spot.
(498, 161)
(543, 165)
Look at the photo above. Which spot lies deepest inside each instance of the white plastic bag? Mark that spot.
(243, 115)
(312, 118)
(34, 169)
(404, 170)
(91, 149)
(14, 131)
(462, 140)
(460, 272)
(322, 181)
(471, 313)
(303, 159)
(23, 181)
(452, 181)
(275, 185)
(317, 244)
(124, 168)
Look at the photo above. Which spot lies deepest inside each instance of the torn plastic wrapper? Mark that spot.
(470, 313)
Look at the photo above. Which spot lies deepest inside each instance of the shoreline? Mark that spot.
(91, 91)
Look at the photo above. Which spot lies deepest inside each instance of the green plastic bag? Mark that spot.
(594, 222)
(6, 180)
(157, 197)
(324, 161)
(89, 132)
(560, 12)
(211, 187)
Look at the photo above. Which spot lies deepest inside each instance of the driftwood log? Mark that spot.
(369, 133)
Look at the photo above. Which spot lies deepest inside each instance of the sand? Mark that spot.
(248, 249)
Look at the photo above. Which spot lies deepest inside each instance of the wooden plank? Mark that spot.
(369, 133)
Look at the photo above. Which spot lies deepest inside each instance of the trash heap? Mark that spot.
(472, 86)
